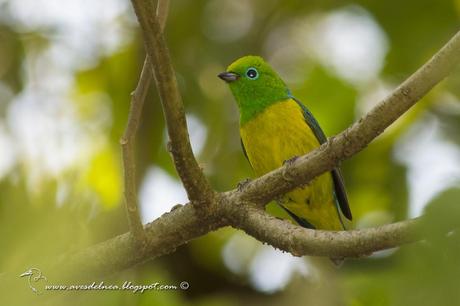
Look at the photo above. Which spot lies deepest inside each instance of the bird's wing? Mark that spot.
(244, 150)
(301, 221)
(340, 193)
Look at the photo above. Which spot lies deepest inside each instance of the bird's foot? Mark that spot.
(290, 161)
(241, 185)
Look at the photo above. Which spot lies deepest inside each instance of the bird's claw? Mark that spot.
(290, 161)
(241, 185)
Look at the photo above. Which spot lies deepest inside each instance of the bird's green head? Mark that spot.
(255, 85)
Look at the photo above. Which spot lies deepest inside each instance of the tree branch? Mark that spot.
(129, 163)
(164, 235)
(128, 140)
(162, 13)
(301, 241)
(195, 183)
(181, 225)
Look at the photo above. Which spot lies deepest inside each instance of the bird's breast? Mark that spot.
(277, 134)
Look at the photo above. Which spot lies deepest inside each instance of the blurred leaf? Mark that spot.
(104, 177)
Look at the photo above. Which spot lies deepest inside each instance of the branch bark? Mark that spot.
(195, 183)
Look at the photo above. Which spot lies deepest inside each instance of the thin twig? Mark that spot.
(195, 183)
(128, 140)
(129, 160)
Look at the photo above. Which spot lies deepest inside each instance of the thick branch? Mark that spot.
(192, 177)
(359, 135)
(128, 140)
(164, 235)
(183, 224)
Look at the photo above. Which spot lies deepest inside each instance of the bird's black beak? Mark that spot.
(228, 76)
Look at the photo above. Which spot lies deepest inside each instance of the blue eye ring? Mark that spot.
(252, 73)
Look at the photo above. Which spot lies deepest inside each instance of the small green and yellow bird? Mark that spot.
(275, 127)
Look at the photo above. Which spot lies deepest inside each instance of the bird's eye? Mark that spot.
(252, 73)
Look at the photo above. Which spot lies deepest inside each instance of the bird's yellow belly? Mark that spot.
(278, 134)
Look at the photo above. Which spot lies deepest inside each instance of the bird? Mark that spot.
(276, 128)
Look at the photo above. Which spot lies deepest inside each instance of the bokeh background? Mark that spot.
(67, 69)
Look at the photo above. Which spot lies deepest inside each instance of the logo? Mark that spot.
(34, 276)
(38, 283)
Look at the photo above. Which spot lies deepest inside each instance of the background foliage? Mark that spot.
(67, 69)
